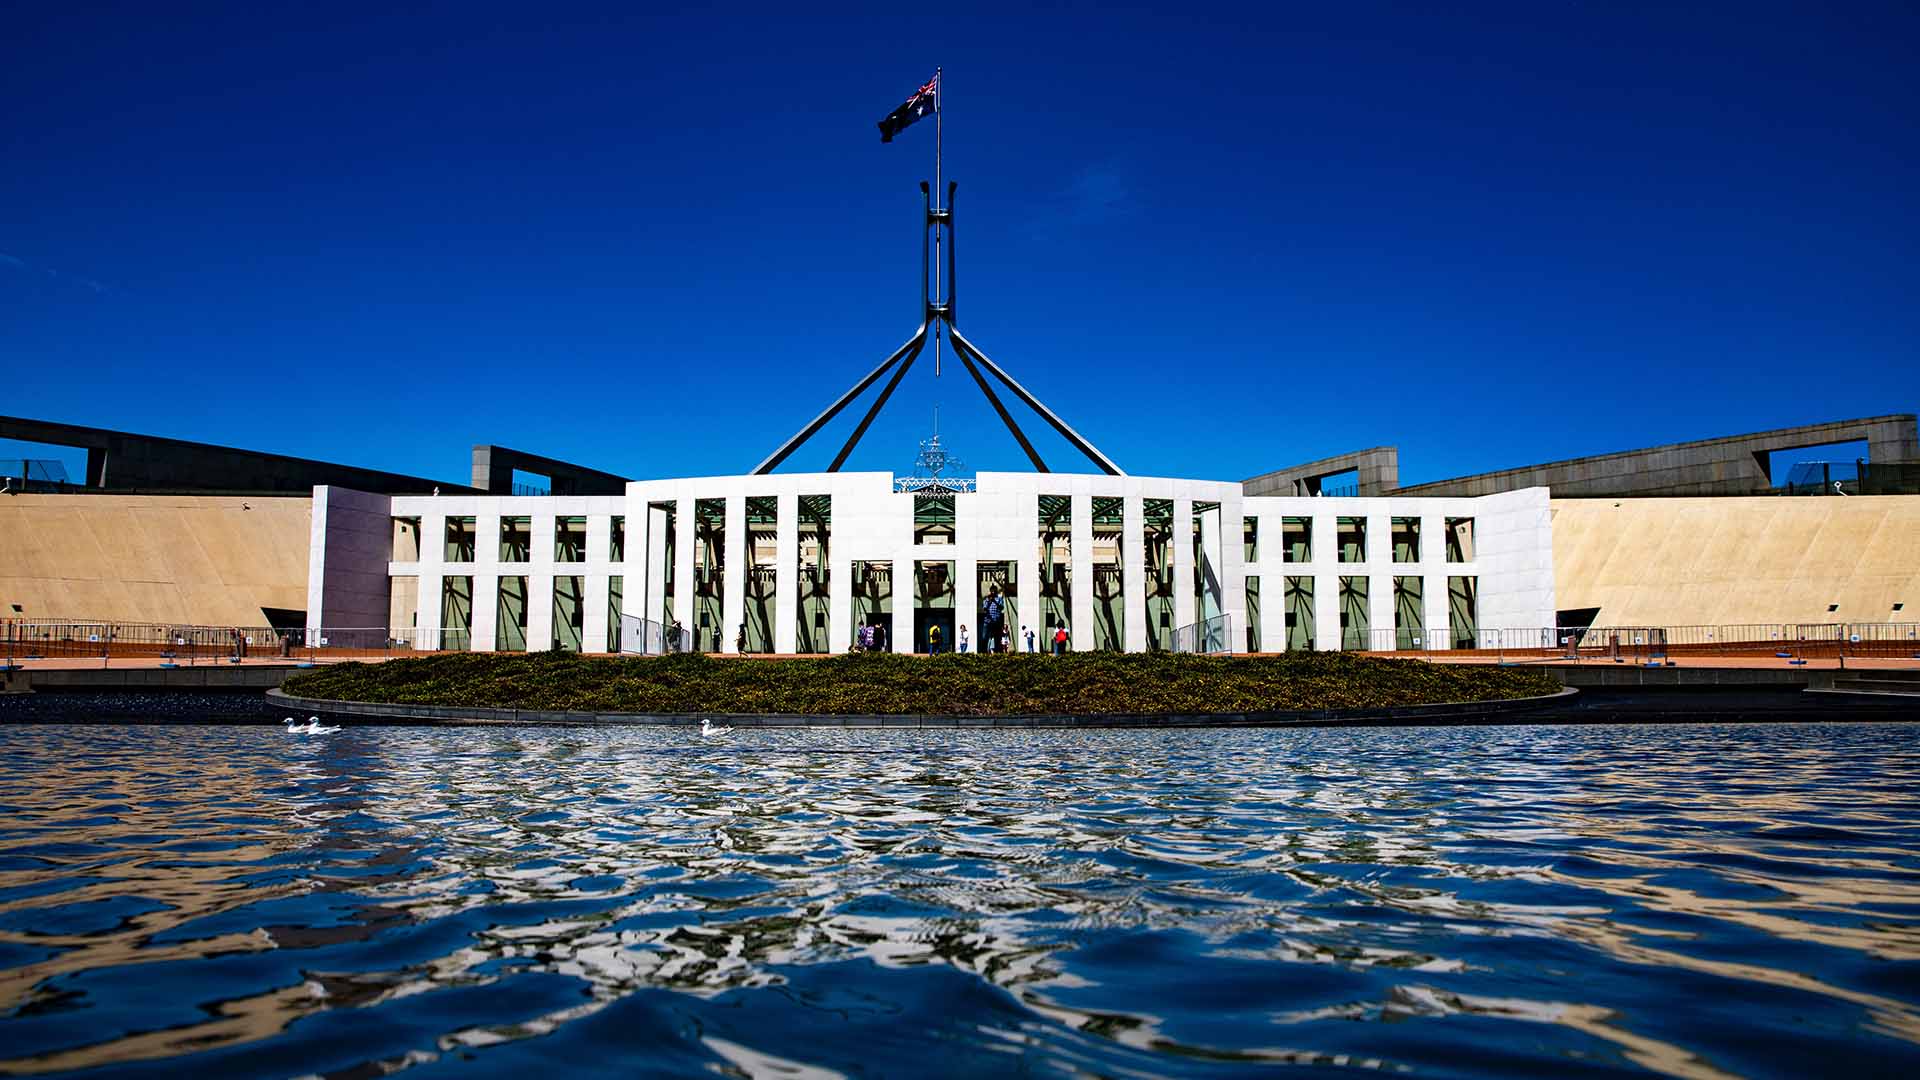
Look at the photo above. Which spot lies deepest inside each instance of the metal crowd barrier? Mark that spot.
(646, 637)
(1214, 635)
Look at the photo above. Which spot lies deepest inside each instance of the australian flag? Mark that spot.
(923, 102)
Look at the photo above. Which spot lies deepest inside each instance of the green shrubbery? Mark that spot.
(970, 685)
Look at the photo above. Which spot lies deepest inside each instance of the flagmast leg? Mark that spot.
(938, 90)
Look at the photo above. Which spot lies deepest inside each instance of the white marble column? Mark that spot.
(733, 588)
(593, 584)
(1433, 580)
(840, 626)
(1380, 574)
(486, 609)
(1327, 570)
(539, 605)
(1233, 583)
(1080, 559)
(594, 619)
(786, 573)
(426, 631)
(900, 628)
(1133, 572)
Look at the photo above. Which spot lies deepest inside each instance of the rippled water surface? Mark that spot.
(1694, 901)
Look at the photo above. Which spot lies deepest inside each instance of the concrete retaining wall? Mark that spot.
(1460, 711)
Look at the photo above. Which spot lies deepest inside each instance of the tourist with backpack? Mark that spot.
(992, 627)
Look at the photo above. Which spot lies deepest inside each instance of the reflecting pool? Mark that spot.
(1697, 901)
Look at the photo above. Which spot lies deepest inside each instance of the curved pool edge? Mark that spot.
(1447, 712)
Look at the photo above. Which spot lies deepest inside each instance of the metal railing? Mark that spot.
(1657, 644)
(181, 645)
(72, 639)
(1857, 477)
(1214, 635)
(177, 645)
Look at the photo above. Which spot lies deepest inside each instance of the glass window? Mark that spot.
(510, 615)
(1109, 586)
(1253, 613)
(569, 612)
(1250, 539)
(615, 587)
(1406, 539)
(1299, 613)
(935, 627)
(933, 519)
(516, 539)
(755, 634)
(661, 545)
(1353, 613)
(1056, 565)
(816, 536)
(1460, 539)
(1463, 611)
(709, 572)
(459, 539)
(570, 539)
(617, 539)
(998, 577)
(873, 605)
(1353, 539)
(456, 611)
(1296, 539)
(1409, 613)
(1157, 519)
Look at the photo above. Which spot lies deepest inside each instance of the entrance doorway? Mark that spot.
(933, 597)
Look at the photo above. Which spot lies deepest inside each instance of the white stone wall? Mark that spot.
(540, 569)
(1513, 560)
(999, 522)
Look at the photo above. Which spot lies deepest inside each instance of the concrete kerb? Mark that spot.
(1451, 712)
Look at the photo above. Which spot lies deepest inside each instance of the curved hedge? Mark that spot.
(886, 684)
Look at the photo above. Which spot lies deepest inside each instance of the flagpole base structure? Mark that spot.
(937, 311)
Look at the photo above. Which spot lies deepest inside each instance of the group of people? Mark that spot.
(994, 633)
(870, 637)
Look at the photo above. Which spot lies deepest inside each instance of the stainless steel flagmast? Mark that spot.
(939, 93)
(936, 308)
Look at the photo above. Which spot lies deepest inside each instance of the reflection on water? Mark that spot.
(1695, 901)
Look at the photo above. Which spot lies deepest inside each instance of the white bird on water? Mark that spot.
(709, 729)
(313, 726)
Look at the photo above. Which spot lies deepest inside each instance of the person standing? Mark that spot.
(992, 628)
(1028, 631)
(1060, 640)
(933, 640)
(963, 637)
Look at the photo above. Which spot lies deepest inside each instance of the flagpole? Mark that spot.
(939, 92)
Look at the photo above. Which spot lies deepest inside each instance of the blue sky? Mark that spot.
(1218, 240)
